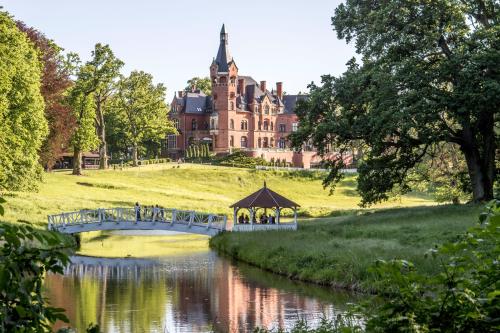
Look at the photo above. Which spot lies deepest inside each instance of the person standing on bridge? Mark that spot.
(137, 212)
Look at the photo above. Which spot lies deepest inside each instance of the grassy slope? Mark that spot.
(337, 251)
(204, 188)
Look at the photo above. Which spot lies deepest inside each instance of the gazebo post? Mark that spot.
(251, 215)
(277, 215)
(295, 215)
(235, 216)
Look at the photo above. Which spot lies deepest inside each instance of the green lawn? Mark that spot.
(204, 188)
(337, 251)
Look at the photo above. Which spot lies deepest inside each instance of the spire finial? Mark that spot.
(265, 186)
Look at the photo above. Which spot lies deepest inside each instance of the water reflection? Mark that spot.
(198, 293)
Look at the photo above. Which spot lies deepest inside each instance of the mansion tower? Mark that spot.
(240, 113)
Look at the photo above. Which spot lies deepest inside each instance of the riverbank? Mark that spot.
(338, 251)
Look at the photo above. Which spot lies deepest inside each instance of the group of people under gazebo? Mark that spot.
(263, 199)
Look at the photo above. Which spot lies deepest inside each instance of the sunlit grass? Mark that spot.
(204, 188)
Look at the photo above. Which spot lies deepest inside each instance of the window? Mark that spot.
(266, 143)
(256, 109)
(244, 125)
(231, 124)
(273, 110)
(212, 124)
(259, 125)
(231, 105)
(282, 143)
(176, 123)
(205, 125)
(295, 126)
(231, 141)
(272, 142)
(272, 129)
(231, 95)
(266, 125)
(194, 125)
(266, 109)
(243, 142)
(179, 108)
(259, 142)
(282, 128)
(172, 141)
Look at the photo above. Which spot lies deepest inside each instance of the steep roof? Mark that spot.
(195, 102)
(265, 198)
(290, 102)
(223, 56)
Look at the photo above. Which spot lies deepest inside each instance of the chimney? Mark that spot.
(263, 86)
(279, 90)
(241, 86)
(180, 92)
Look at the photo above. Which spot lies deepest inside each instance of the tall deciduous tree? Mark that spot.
(55, 81)
(142, 109)
(100, 80)
(82, 103)
(22, 123)
(200, 83)
(429, 75)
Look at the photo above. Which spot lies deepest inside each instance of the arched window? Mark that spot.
(231, 124)
(259, 142)
(231, 105)
(272, 127)
(244, 125)
(212, 124)
(243, 142)
(266, 125)
(259, 125)
(266, 143)
(266, 109)
(194, 125)
(222, 80)
(272, 142)
(231, 141)
(176, 123)
(256, 109)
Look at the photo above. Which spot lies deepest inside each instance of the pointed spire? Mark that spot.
(223, 56)
(265, 186)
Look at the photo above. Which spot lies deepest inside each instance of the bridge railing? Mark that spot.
(132, 215)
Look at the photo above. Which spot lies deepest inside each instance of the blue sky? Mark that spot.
(289, 41)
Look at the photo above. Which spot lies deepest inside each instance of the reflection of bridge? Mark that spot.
(130, 219)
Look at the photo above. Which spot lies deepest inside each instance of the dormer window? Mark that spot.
(266, 109)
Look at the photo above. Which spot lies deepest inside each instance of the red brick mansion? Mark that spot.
(241, 113)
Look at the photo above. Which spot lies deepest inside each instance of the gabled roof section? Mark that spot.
(265, 198)
(223, 56)
(196, 103)
(290, 102)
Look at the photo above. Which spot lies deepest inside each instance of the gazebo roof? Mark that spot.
(265, 198)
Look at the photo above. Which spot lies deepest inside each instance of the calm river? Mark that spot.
(196, 293)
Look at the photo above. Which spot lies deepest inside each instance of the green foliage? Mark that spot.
(343, 323)
(26, 255)
(429, 75)
(241, 160)
(23, 126)
(84, 137)
(203, 84)
(140, 110)
(464, 295)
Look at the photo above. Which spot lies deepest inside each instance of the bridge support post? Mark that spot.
(210, 218)
(191, 218)
(99, 215)
(174, 216)
(225, 222)
(81, 216)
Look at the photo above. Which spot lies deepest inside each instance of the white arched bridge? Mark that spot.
(130, 219)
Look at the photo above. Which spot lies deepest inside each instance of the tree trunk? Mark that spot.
(77, 162)
(101, 133)
(481, 167)
(134, 155)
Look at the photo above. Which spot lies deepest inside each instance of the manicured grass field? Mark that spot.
(204, 188)
(337, 251)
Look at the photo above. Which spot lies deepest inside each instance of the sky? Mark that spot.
(289, 41)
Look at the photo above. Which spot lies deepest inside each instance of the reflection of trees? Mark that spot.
(191, 294)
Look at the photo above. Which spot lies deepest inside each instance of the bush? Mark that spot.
(241, 160)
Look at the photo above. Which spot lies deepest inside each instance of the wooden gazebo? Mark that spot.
(265, 199)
